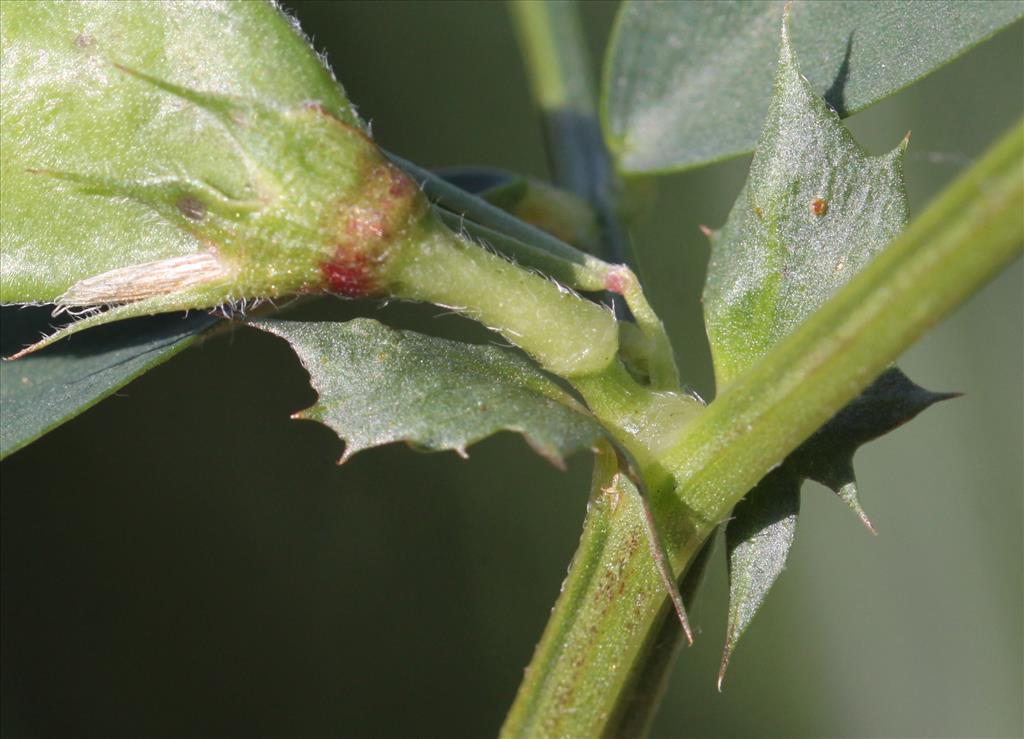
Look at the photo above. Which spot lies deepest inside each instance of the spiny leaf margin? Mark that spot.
(815, 209)
(378, 385)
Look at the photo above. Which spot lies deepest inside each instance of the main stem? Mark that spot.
(606, 619)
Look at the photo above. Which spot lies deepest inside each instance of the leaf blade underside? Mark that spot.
(42, 391)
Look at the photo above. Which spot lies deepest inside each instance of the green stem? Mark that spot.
(558, 66)
(565, 333)
(612, 604)
(532, 245)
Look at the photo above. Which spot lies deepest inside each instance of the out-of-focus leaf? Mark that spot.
(379, 385)
(69, 106)
(813, 212)
(758, 538)
(558, 212)
(687, 83)
(42, 391)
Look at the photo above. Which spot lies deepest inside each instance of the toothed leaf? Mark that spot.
(815, 209)
(757, 539)
(762, 528)
(827, 457)
(688, 83)
(379, 385)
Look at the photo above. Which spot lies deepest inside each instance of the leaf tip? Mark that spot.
(786, 50)
(724, 666)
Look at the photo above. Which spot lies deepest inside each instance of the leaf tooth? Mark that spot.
(837, 474)
(785, 49)
(547, 451)
(349, 451)
(849, 494)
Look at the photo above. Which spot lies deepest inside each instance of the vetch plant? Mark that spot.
(202, 158)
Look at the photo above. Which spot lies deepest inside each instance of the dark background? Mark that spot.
(182, 560)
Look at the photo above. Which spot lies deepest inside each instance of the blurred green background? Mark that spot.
(183, 560)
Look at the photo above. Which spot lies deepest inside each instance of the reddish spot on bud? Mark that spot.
(401, 186)
(350, 275)
(758, 212)
(819, 207)
(616, 281)
(366, 229)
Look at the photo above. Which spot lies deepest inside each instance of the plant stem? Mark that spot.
(558, 66)
(551, 39)
(607, 618)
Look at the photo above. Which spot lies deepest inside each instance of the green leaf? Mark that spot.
(687, 83)
(827, 457)
(815, 209)
(762, 528)
(70, 106)
(379, 385)
(757, 540)
(42, 391)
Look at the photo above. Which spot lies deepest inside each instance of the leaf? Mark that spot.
(379, 385)
(827, 457)
(687, 83)
(757, 540)
(763, 525)
(815, 209)
(560, 213)
(68, 105)
(42, 391)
